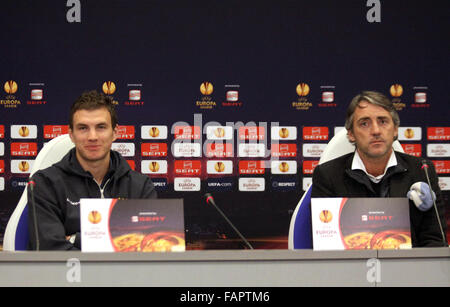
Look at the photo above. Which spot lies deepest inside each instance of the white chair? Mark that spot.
(16, 233)
(300, 233)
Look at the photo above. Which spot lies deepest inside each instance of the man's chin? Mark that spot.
(377, 154)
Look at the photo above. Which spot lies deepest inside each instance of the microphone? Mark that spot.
(31, 184)
(433, 196)
(210, 201)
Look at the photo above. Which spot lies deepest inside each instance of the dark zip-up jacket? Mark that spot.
(57, 194)
(335, 178)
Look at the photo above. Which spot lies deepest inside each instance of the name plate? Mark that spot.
(132, 225)
(360, 223)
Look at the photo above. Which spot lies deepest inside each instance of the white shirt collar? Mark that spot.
(358, 164)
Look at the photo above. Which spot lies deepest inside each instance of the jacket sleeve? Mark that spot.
(430, 233)
(49, 217)
(148, 191)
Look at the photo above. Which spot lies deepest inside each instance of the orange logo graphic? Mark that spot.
(219, 166)
(154, 132)
(325, 216)
(153, 166)
(409, 133)
(206, 88)
(10, 87)
(24, 131)
(109, 87)
(284, 167)
(219, 132)
(24, 166)
(94, 217)
(396, 90)
(302, 89)
(284, 133)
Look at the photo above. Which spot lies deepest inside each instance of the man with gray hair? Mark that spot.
(376, 170)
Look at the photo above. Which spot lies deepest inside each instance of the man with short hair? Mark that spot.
(90, 170)
(376, 170)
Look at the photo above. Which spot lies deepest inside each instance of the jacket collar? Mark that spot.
(361, 177)
(117, 165)
(357, 163)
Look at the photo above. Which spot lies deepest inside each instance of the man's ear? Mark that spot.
(115, 132)
(350, 136)
(71, 134)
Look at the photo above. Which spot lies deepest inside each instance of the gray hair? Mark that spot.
(375, 98)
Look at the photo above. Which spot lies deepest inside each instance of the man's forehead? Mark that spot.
(95, 116)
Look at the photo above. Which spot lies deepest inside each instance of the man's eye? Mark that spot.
(364, 124)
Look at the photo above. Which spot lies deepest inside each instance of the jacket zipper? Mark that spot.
(100, 188)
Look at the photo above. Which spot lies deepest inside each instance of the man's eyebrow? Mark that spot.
(368, 118)
(97, 124)
(363, 118)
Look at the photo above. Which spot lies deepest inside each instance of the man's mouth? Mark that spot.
(376, 142)
(92, 147)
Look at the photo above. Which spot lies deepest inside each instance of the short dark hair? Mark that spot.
(375, 98)
(93, 100)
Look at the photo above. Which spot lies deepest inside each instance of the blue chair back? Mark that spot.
(16, 233)
(300, 232)
(22, 235)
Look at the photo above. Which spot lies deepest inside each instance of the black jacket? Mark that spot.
(335, 178)
(58, 191)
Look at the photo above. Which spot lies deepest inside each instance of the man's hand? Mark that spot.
(422, 196)
(71, 238)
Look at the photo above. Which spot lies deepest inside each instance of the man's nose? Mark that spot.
(92, 134)
(375, 128)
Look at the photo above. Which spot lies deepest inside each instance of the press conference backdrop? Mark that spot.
(236, 98)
